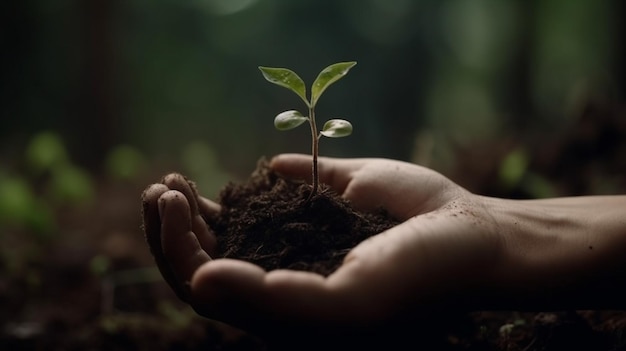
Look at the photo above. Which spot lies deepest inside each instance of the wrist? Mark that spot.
(560, 253)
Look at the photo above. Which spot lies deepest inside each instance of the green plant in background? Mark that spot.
(333, 128)
(23, 204)
(21, 207)
(66, 183)
(125, 162)
(515, 173)
(28, 198)
(33, 191)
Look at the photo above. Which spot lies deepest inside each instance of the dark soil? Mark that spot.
(268, 221)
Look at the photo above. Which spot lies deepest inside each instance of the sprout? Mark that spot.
(334, 128)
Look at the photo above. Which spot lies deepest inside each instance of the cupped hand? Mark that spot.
(442, 254)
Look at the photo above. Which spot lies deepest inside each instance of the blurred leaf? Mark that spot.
(227, 7)
(328, 76)
(16, 200)
(513, 168)
(289, 120)
(45, 150)
(20, 207)
(71, 185)
(285, 78)
(99, 264)
(41, 219)
(539, 187)
(180, 318)
(124, 162)
(336, 128)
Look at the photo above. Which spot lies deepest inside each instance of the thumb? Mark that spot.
(335, 172)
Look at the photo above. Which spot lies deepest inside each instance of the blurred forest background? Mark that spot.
(102, 97)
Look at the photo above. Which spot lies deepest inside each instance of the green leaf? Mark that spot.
(336, 128)
(514, 167)
(72, 185)
(124, 162)
(289, 120)
(328, 76)
(45, 150)
(17, 200)
(285, 78)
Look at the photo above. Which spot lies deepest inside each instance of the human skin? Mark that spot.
(453, 250)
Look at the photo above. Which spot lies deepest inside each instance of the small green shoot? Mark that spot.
(334, 128)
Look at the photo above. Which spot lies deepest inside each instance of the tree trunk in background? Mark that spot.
(520, 100)
(620, 47)
(96, 104)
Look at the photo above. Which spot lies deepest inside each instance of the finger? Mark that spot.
(150, 215)
(244, 295)
(201, 225)
(208, 209)
(181, 247)
(177, 181)
(198, 204)
(151, 219)
(202, 210)
(333, 171)
(152, 231)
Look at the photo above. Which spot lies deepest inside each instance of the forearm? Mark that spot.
(563, 252)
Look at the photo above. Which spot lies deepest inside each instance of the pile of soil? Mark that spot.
(271, 222)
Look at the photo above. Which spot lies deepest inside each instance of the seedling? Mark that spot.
(333, 128)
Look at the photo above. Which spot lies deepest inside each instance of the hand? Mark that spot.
(443, 252)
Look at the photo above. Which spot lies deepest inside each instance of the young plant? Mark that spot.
(334, 128)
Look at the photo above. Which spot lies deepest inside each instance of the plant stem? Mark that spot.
(314, 151)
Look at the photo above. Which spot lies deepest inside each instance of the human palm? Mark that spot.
(444, 248)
